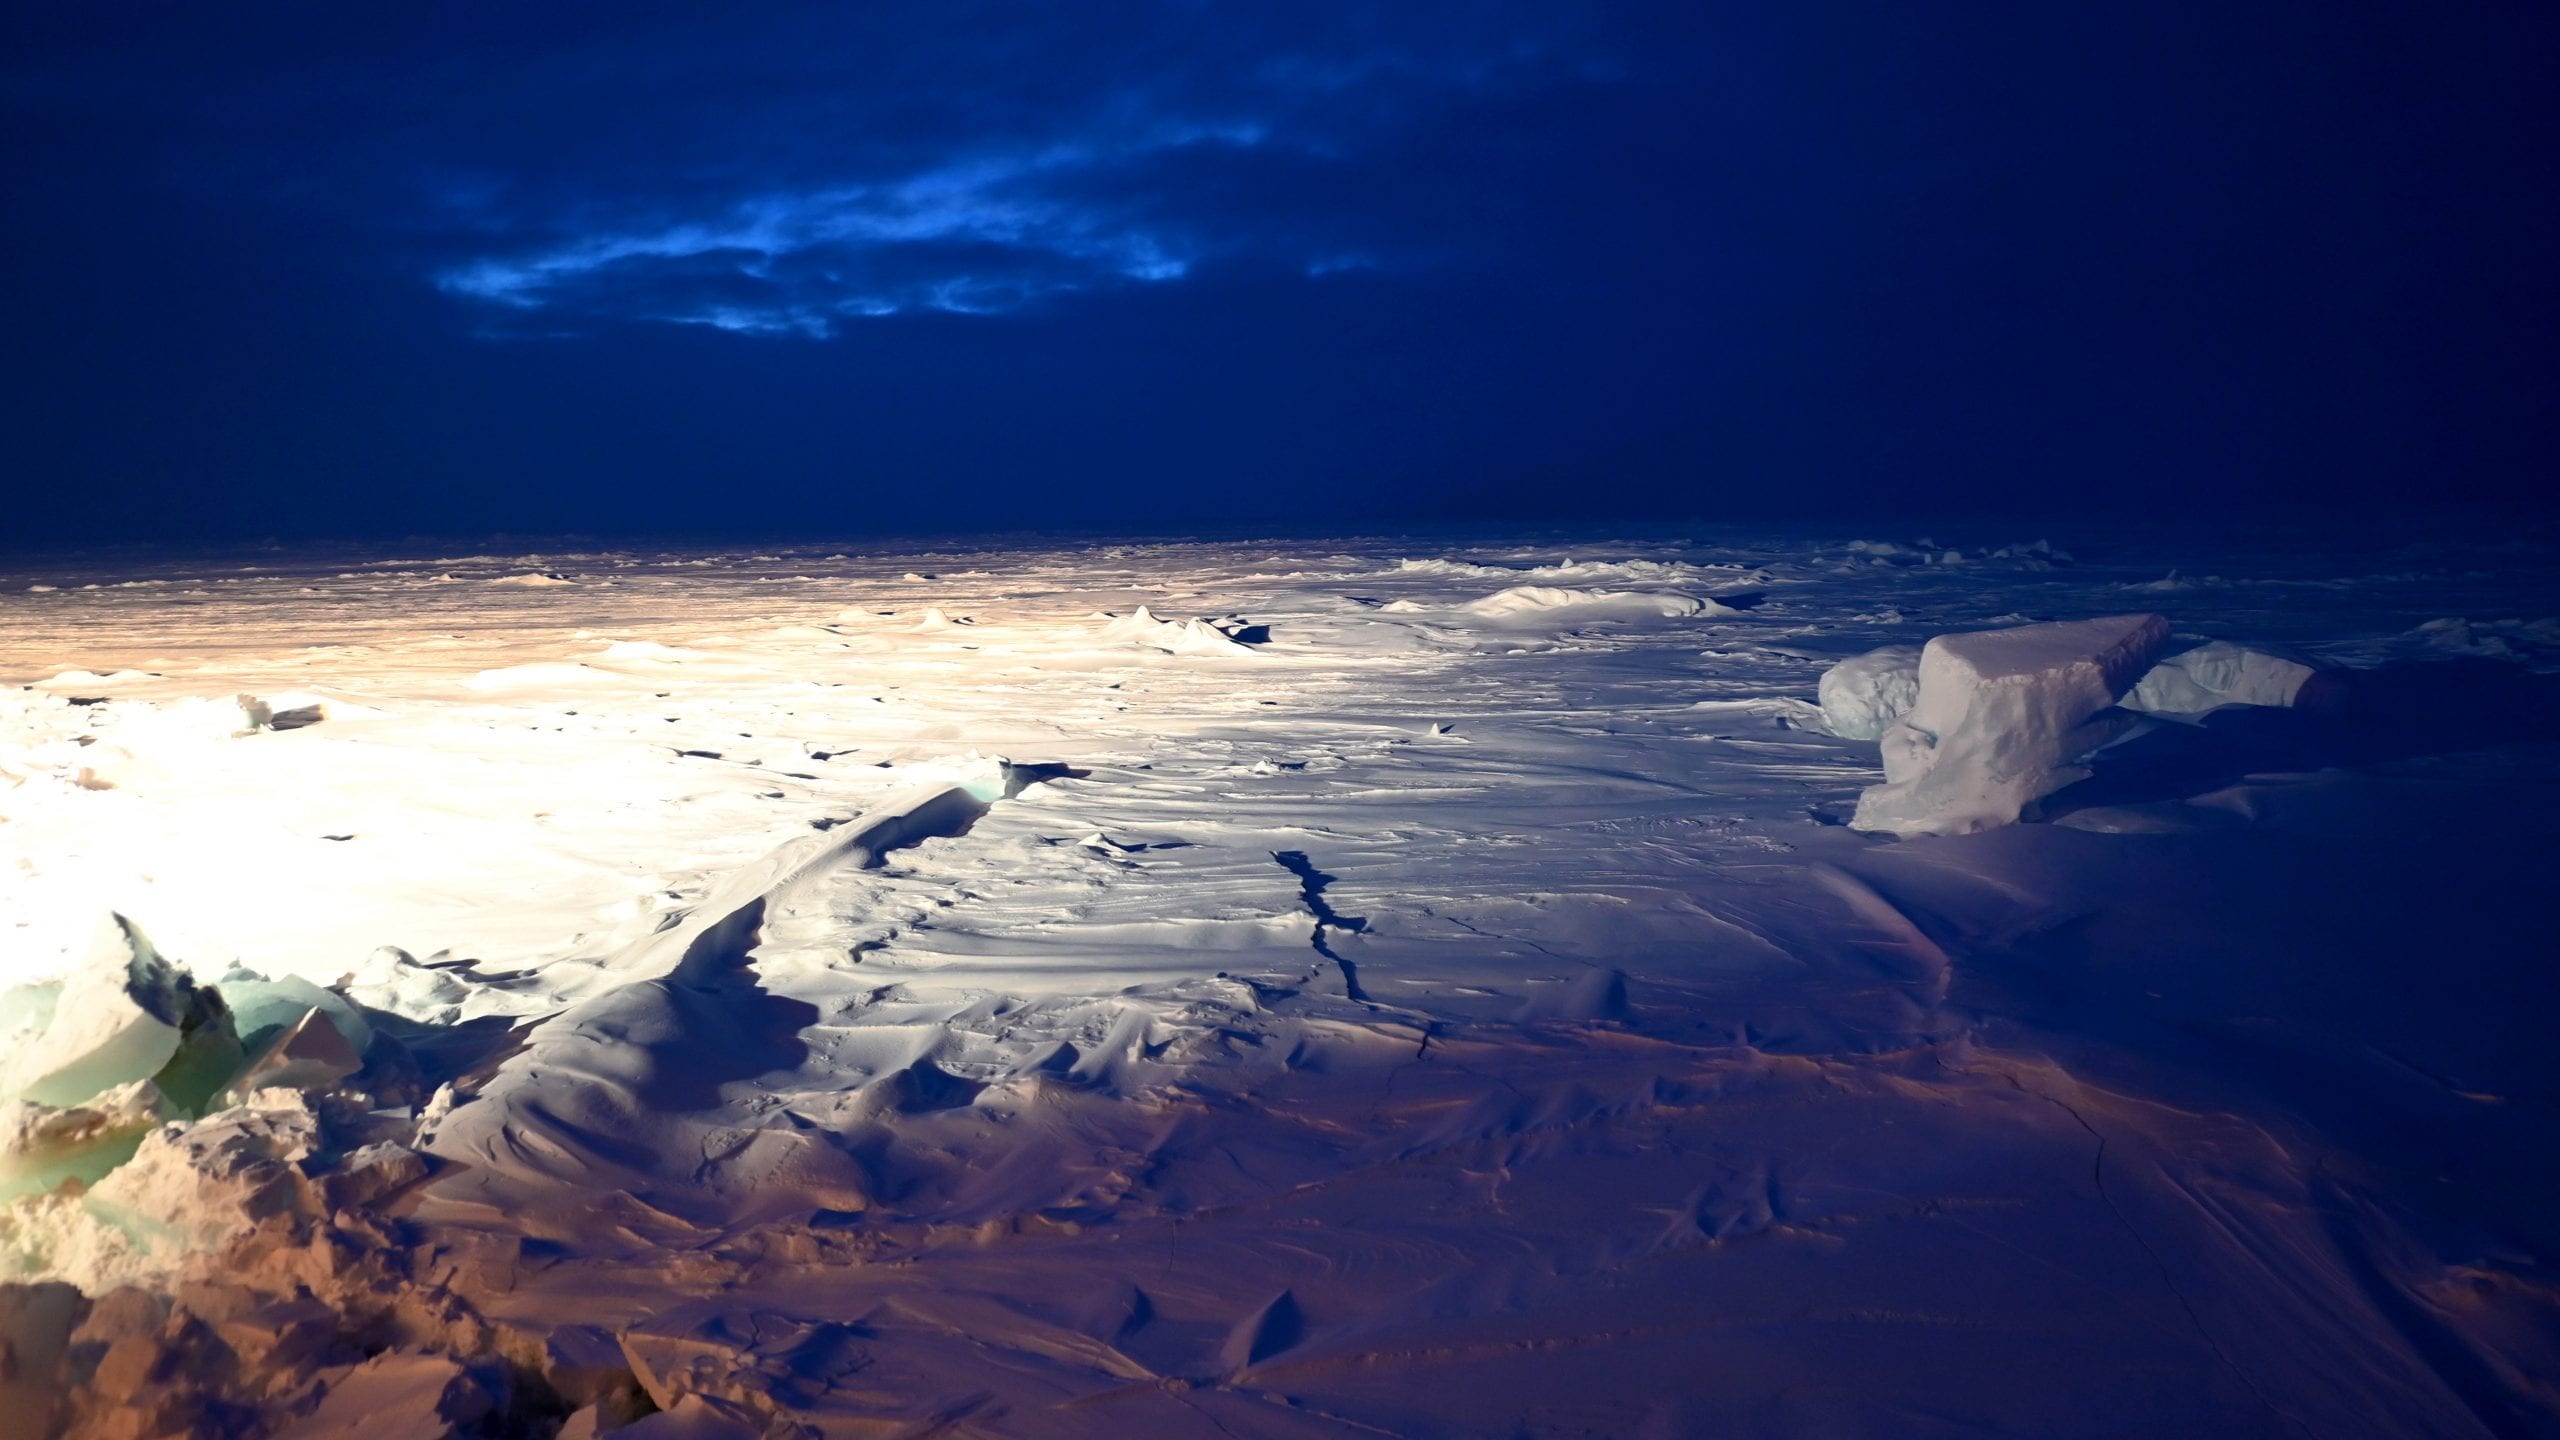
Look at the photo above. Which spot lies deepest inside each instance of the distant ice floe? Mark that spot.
(2002, 718)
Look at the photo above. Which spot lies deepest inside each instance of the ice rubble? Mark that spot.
(2000, 719)
(106, 1069)
(1864, 694)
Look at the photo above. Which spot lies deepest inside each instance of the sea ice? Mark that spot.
(1865, 693)
(2001, 717)
(2189, 685)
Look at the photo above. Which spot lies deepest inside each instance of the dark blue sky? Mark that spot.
(377, 269)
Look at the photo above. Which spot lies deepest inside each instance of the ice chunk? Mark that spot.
(124, 1014)
(262, 1009)
(2190, 685)
(1865, 693)
(43, 1145)
(2001, 717)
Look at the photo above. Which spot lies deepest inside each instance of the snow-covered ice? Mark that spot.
(1300, 988)
(2194, 683)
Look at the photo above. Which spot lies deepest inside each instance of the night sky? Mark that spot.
(374, 270)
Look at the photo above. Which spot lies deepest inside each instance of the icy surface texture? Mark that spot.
(2194, 683)
(2002, 715)
(1864, 694)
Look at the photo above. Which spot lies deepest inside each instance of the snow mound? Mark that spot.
(2193, 684)
(2001, 717)
(1539, 602)
(1863, 694)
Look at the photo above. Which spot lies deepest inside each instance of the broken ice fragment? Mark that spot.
(120, 1016)
(209, 1052)
(312, 1055)
(261, 1008)
(2001, 717)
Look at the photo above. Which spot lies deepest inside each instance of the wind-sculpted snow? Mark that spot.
(1383, 987)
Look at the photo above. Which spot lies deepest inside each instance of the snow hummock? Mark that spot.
(2194, 683)
(1534, 602)
(2001, 717)
(1863, 694)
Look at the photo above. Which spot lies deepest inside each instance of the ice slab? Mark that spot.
(123, 1014)
(2001, 718)
(1863, 694)
(2192, 684)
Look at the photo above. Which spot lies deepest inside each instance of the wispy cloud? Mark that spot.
(981, 234)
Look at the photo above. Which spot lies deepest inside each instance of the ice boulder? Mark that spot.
(2189, 685)
(2002, 717)
(124, 1014)
(1865, 693)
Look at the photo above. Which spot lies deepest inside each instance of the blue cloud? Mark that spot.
(987, 233)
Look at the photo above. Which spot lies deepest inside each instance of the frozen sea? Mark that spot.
(1368, 986)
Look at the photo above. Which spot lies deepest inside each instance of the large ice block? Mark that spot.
(2001, 719)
